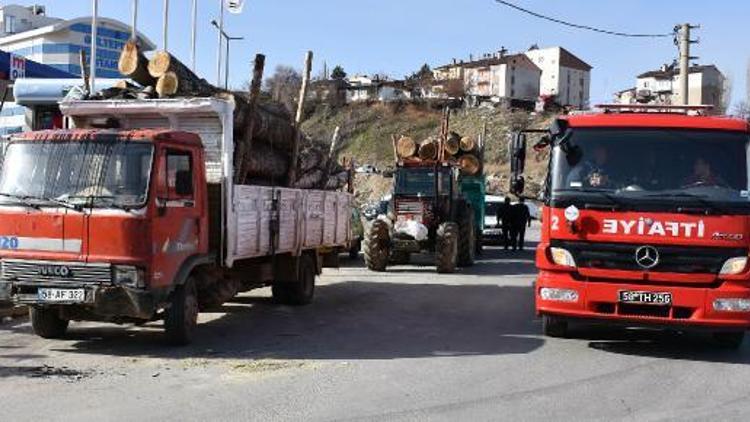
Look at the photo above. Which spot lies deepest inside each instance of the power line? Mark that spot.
(577, 26)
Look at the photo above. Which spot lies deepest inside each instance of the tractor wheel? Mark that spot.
(376, 246)
(446, 248)
(466, 238)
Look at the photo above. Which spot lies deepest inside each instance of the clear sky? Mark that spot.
(396, 37)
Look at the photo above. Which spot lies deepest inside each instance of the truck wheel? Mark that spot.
(479, 244)
(46, 322)
(400, 258)
(301, 291)
(446, 248)
(730, 340)
(554, 327)
(376, 246)
(466, 238)
(181, 318)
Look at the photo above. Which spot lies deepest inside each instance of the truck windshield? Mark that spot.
(96, 173)
(660, 166)
(421, 181)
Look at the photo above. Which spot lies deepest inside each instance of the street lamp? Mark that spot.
(228, 40)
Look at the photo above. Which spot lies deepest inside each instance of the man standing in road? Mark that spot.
(521, 218)
(504, 220)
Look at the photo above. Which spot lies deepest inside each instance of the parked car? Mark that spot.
(367, 169)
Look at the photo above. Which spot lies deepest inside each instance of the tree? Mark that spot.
(284, 86)
(338, 73)
(742, 110)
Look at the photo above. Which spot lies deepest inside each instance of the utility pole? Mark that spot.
(94, 35)
(685, 57)
(193, 33)
(221, 38)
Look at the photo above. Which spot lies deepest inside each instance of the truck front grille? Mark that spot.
(672, 259)
(409, 207)
(39, 272)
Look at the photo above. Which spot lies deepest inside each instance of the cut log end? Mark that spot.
(468, 144)
(160, 64)
(128, 63)
(167, 85)
(406, 147)
(428, 150)
(469, 164)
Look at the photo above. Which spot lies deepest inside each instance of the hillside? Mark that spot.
(366, 135)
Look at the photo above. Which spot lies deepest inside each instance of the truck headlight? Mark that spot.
(128, 275)
(732, 305)
(734, 266)
(562, 257)
(558, 295)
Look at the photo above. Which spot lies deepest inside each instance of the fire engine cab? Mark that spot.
(646, 221)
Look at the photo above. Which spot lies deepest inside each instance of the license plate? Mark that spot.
(61, 295)
(646, 298)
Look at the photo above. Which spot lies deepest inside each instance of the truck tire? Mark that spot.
(355, 248)
(376, 246)
(466, 238)
(301, 291)
(729, 340)
(181, 317)
(554, 327)
(446, 248)
(47, 323)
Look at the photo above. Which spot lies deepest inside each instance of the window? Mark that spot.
(179, 175)
(10, 24)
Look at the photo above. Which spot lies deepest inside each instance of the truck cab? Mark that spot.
(646, 222)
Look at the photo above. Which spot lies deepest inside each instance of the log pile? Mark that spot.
(265, 133)
(464, 151)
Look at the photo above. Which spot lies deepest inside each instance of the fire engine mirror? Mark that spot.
(558, 128)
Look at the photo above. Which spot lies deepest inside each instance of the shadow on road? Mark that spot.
(351, 320)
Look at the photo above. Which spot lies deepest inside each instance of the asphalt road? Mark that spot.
(406, 345)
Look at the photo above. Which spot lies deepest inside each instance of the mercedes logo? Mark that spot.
(647, 257)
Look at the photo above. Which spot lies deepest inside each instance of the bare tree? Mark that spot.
(284, 86)
(742, 110)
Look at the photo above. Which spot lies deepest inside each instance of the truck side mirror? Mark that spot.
(558, 128)
(517, 152)
(517, 185)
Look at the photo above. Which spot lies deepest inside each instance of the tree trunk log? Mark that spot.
(187, 82)
(452, 144)
(406, 147)
(264, 162)
(134, 64)
(428, 149)
(468, 144)
(469, 164)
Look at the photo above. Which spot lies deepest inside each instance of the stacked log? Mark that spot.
(453, 144)
(428, 149)
(463, 151)
(406, 147)
(267, 129)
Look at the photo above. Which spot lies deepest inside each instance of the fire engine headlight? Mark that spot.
(734, 266)
(732, 305)
(562, 257)
(130, 276)
(558, 295)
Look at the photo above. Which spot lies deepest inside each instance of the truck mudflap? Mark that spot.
(103, 301)
(689, 307)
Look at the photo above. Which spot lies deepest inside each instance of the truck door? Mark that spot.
(177, 223)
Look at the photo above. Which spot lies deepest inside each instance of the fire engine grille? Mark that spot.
(38, 272)
(672, 259)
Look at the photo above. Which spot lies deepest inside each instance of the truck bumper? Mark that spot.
(599, 302)
(103, 301)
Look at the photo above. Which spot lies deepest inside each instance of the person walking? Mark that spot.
(504, 220)
(521, 220)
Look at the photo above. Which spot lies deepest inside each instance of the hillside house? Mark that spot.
(564, 76)
(705, 86)
(502, 77)
(363, 88)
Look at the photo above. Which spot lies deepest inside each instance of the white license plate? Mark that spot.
(646, 298)
(61, 295)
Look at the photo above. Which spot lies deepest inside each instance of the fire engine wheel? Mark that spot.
(730, 340)
(301, 291)
(554, 327)
(466, 239)
(46, 322)
(376, 246)
(446, 248)
(181, 318)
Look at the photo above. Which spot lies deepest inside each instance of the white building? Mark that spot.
(705, 86)
(363, 88)
(29, 32)
(564, 76)
(502, 77)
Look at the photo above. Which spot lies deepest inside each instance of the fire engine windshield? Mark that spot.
(420, 181)
(618, 166)
(98, 174)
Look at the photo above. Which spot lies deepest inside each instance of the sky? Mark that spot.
(396, 37)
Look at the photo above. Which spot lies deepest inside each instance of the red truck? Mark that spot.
(646, 222)
(144, 222)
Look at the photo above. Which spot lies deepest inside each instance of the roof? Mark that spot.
(658, 120)
(673, 71)
(495, 61)
(111, 134)
(570, 60)
(63, 25)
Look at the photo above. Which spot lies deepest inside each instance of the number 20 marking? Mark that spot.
(8, 242)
